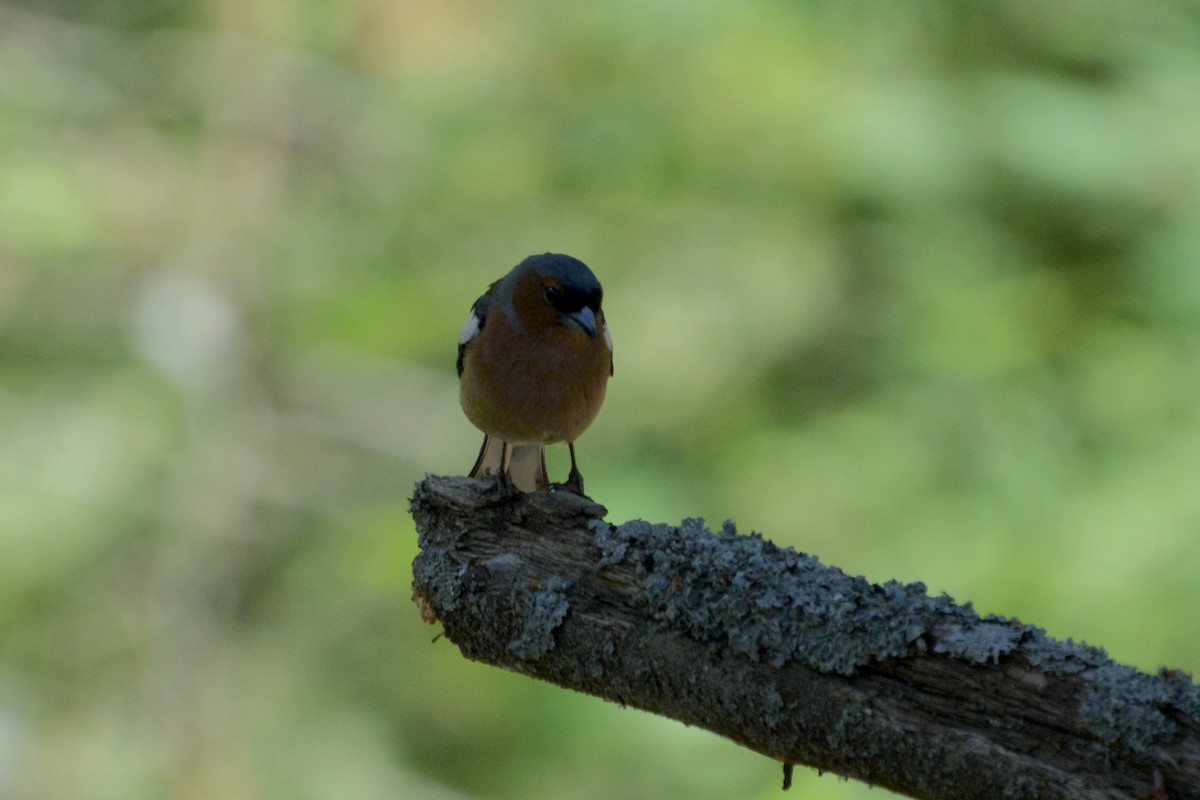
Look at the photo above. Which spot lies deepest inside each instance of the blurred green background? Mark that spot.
(914, 286)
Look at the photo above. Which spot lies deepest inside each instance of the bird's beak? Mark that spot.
(583, 320)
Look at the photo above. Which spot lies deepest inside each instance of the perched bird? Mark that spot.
(534, 359)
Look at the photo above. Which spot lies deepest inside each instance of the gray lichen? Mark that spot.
(980, 642)
(1136, 710)
(777, 605)
(612, 546)
(541, 609)
(1060, 658)
(441, 576)
(1123, 707)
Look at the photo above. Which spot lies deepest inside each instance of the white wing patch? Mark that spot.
(470, 328)
(607, 337)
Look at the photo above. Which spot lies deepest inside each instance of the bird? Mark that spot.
(534, 359)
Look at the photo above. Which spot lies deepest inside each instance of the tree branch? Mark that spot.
(794, 659)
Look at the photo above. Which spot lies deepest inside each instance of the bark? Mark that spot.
(795, 659)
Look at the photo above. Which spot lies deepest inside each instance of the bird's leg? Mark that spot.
(504, 486)
(574, 483)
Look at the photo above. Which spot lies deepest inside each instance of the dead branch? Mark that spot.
(795, 659)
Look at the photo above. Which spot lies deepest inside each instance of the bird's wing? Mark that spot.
(473, 325)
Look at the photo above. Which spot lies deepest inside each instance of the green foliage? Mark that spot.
(914, 286)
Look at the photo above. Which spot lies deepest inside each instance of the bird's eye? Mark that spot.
(553, 293)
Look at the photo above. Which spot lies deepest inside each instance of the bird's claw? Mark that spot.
(573, 484)
(500, 486)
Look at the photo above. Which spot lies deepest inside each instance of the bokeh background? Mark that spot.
(914, 286)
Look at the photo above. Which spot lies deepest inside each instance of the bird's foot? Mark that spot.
(573, 484)
(501, 488)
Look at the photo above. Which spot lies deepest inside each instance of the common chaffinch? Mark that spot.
(534, 359)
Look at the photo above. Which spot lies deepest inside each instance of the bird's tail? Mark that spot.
(526, 463)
